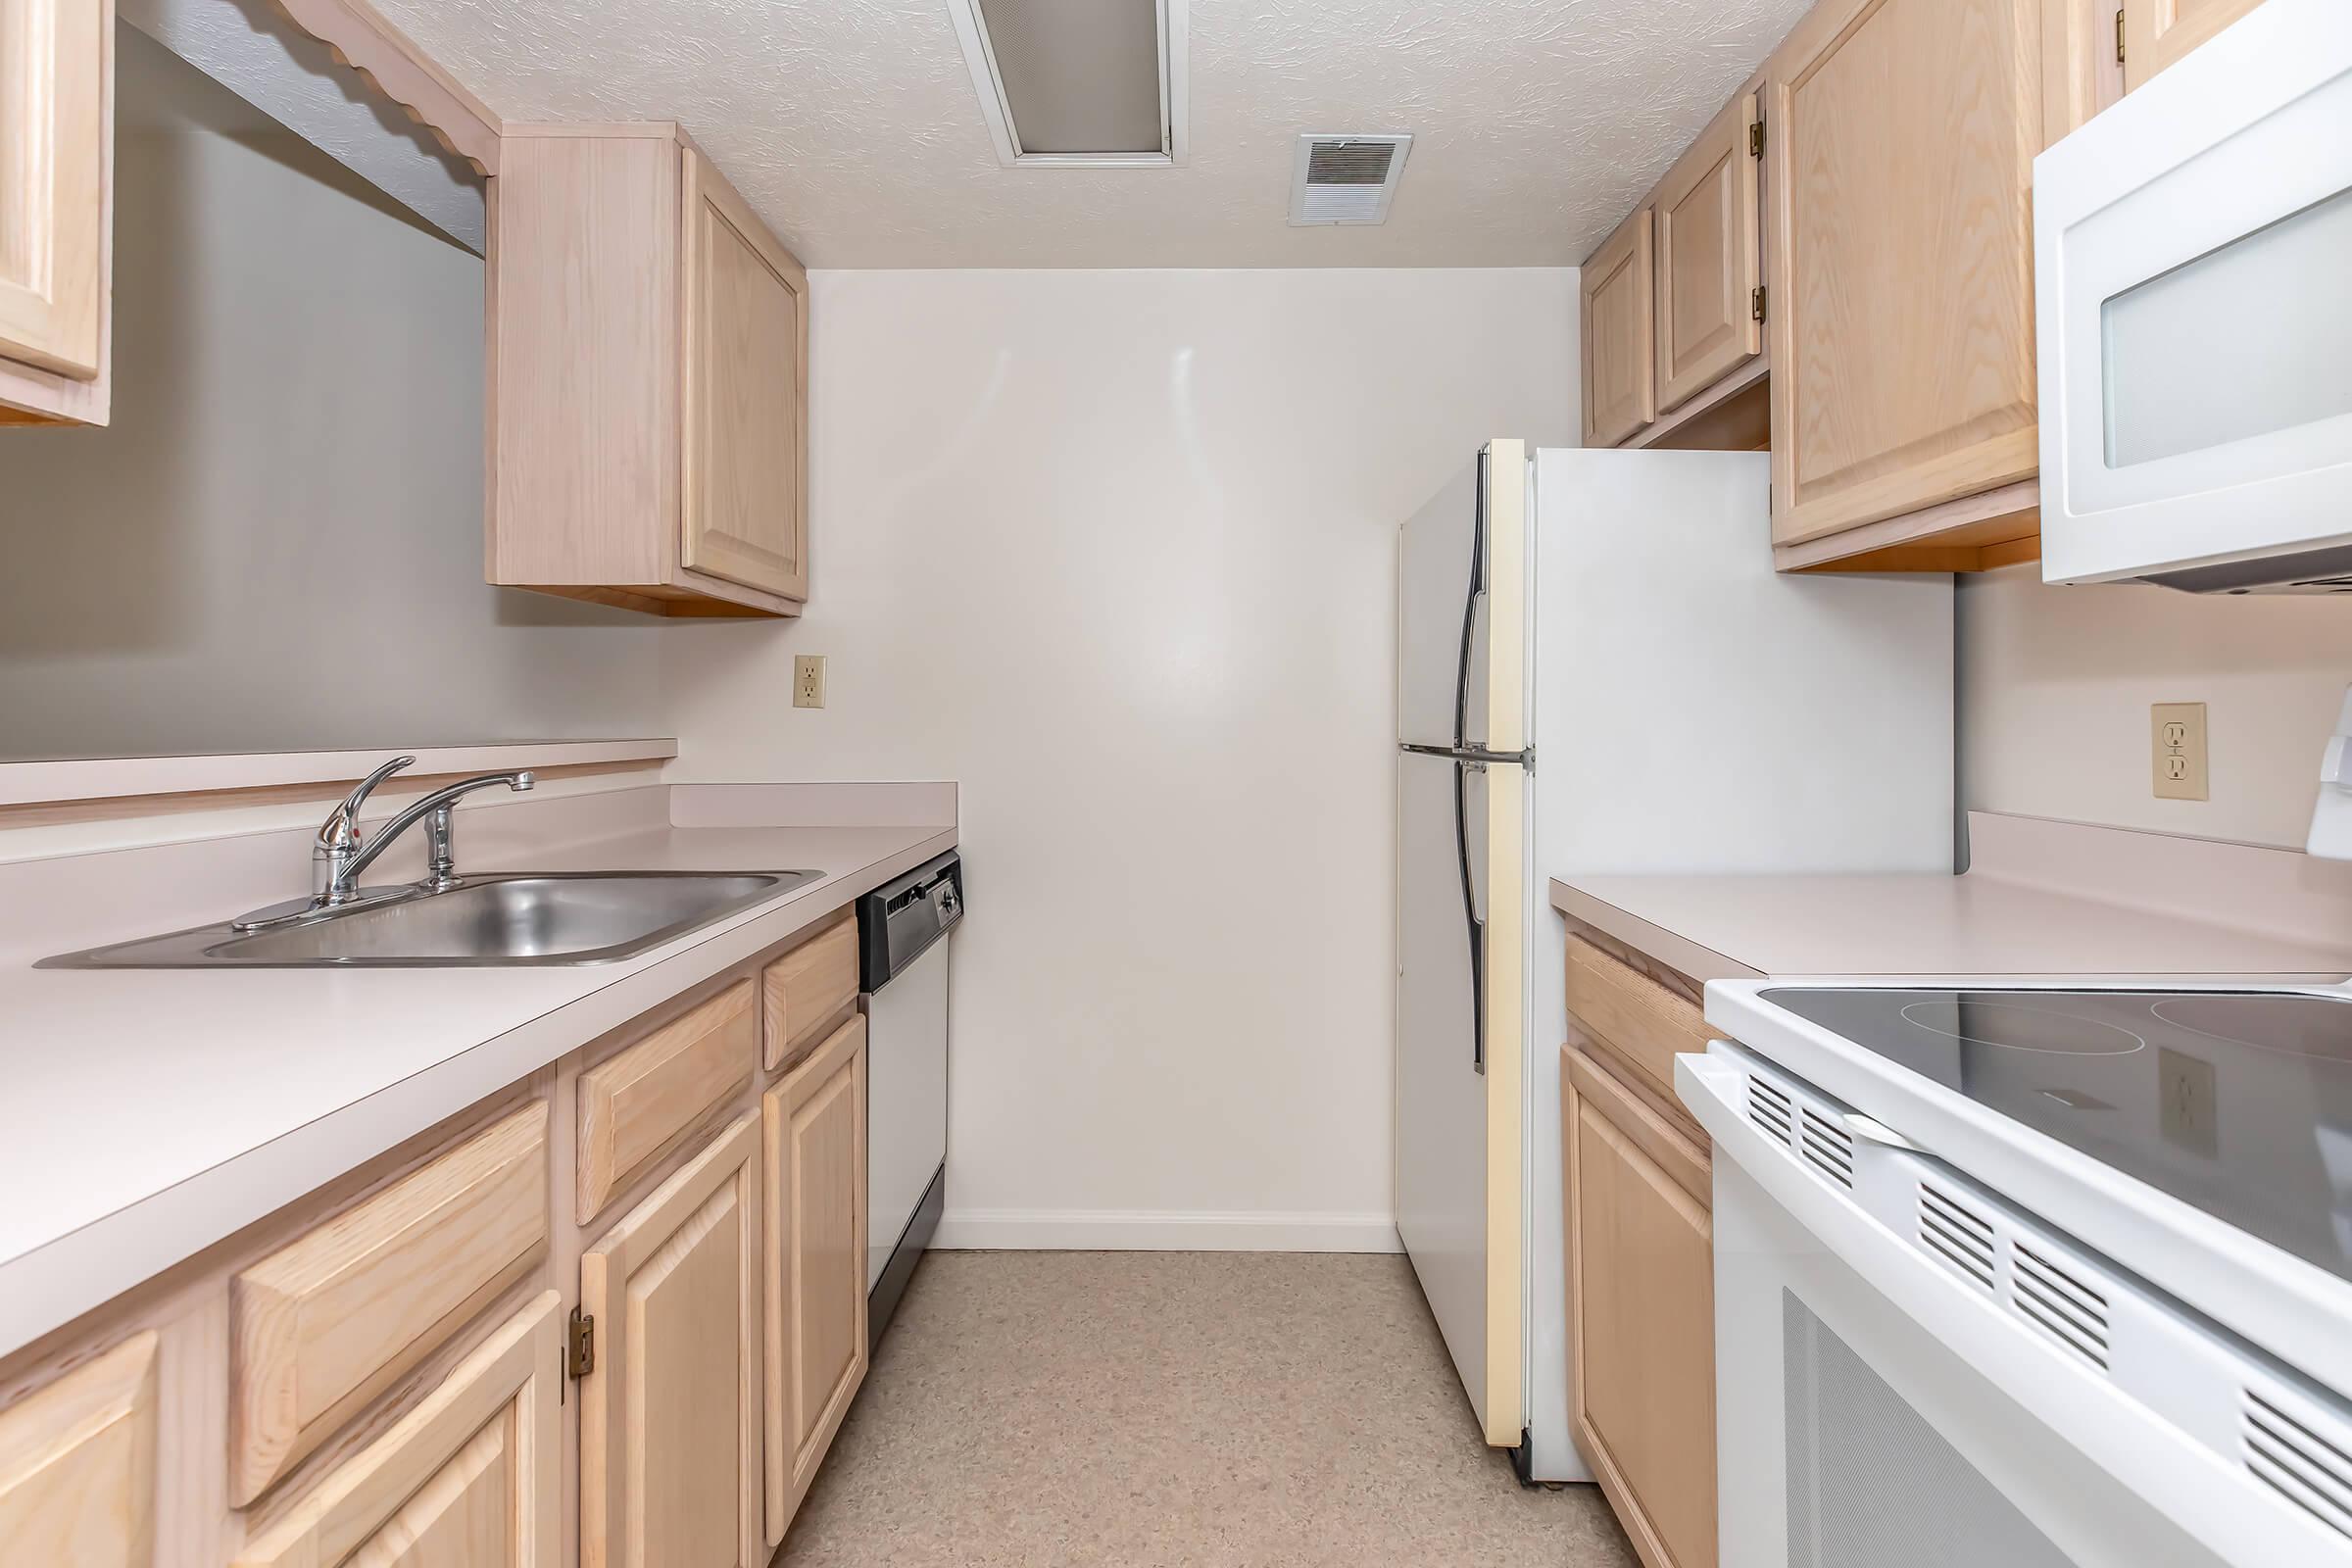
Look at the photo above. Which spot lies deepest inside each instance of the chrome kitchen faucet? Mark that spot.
(339, 854)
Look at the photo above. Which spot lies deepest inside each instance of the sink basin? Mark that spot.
(581, 917)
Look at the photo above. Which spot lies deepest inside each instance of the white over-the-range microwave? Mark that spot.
(2193, 287)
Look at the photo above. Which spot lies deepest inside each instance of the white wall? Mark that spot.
(2056, 684)
(1116, 550)
(279, 541)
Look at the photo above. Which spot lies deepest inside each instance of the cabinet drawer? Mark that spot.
(809, 987)
(640, 1102)
(1646, 1023)
(323, 1325)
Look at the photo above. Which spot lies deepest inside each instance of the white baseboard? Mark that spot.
(1104, 1230)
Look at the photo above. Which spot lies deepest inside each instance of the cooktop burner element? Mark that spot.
(2021, 1028)
(2236, 1102)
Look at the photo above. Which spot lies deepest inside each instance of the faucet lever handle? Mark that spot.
(341, 829)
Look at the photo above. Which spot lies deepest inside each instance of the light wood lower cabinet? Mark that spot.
(669, 1413)
(57, 90)
(390, 1372)
(815, 1133)
(1641, 1313)
(470, 1478)
(78, 1466)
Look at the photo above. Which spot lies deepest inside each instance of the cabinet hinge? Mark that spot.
(2119, 36)
(1756, 303)
(1755, 138)
(579, 1345)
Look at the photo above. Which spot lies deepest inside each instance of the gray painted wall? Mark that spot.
(279, 541)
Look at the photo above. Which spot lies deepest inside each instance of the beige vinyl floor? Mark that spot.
(1201, 1408)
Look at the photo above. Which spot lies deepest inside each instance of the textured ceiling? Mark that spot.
(853, 128)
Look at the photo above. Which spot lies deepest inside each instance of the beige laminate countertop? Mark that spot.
(201, 1100)
(2041, 898)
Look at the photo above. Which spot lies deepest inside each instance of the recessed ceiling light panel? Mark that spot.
(1078, 83)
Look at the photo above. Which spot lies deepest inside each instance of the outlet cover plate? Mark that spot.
(2177, 751)
(807, 680)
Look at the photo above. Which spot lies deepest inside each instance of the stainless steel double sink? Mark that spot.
(538, 919)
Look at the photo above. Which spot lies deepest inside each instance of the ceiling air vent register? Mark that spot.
(1345, 180)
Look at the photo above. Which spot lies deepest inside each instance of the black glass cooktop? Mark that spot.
(2239, 1103)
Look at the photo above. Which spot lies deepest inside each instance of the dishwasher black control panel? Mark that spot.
(901, 918)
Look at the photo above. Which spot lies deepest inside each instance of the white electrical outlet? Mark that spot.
(807, 680)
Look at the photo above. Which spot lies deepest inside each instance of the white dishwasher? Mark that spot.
(902, 946)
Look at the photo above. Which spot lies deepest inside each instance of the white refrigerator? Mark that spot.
(1599, 670)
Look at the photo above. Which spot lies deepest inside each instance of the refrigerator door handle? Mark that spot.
(1470, 605)
(1473, 919)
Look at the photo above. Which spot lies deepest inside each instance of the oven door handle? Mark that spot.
(2225, 1510)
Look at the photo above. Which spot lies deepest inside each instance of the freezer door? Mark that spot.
(1440, 631)
(1440, 1095)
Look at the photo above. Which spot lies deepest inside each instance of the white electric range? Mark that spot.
(2031, 1274)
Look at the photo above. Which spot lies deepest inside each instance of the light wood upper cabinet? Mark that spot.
(1616, 283)
(747, 382)
(814, 1136)
(1901, 135)
(78, 1465)
(470, 1478)
(648, 379)
(1708, 262)
(57, 87)
(2158, 32)
(1641, 1313)
(671, 1426)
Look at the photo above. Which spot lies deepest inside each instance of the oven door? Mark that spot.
(2190, 261)
(1873, 1408)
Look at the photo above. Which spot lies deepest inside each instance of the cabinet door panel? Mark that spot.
(669, 1424)
(1902, 134)
(2158, 32)
(815, 1127)
(53, 65)
(746, 386)
(1708, 259)
(468, 1478)
(1642, 1306)
(78, 1465)
(1620, 392)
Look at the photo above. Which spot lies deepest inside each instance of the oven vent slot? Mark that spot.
(2311, 1471)
(1956, 1233)
(1768, 1107)
(2051, 1297)
(1828, 1147)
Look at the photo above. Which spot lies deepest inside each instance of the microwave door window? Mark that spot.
(2249, 338)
